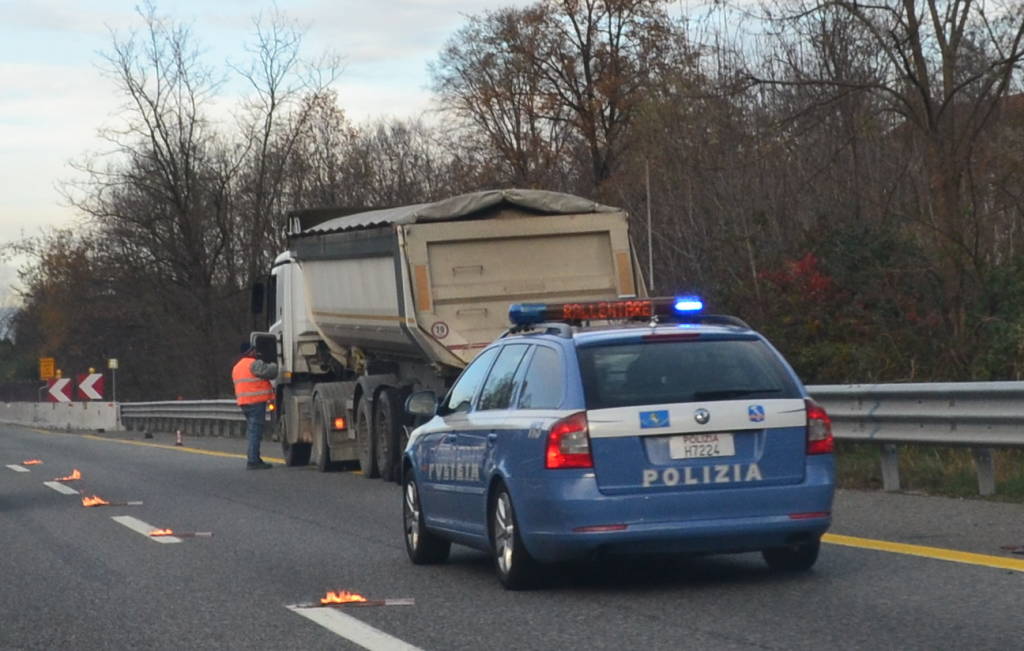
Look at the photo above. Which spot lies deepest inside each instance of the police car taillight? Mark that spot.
(819, 430)
(569, 443)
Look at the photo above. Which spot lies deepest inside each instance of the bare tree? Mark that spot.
(485, 76)
(943, 67)
(285, 91)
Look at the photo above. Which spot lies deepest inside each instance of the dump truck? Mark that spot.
(362, 309)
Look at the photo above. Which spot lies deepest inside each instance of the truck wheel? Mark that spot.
(387, 430)
(364, 438)
(321, 425)
(295, 454)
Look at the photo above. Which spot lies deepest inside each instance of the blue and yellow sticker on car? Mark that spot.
(650, 419)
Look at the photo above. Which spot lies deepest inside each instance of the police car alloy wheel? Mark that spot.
(423, 547)
(516, 568)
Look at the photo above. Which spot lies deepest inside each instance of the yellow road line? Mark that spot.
(938, 553)
(179, 448)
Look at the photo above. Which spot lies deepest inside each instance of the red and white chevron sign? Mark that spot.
(90, 386)
(59, 390)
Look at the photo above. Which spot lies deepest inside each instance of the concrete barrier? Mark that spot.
(93, 416)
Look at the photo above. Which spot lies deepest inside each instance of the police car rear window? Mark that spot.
(650, 373)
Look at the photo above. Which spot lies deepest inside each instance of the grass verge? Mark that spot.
(929, 469)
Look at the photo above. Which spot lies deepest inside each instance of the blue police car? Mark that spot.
(621, 427)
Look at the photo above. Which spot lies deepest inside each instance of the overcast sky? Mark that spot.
(53, 97)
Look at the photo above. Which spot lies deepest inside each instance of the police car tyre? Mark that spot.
(799, 558)
(364, 439)
(423, 547)
(321, 446)
(387, 431)
(516, 569)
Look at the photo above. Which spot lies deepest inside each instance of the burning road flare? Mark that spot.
(340, 597)
(31, 462)
(75, 474)
(96, 500)
(156, 533)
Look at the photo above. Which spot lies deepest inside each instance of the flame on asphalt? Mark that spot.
(94, 500)
(31, 462)
(340, 597)
(162, 532)
(72, 477)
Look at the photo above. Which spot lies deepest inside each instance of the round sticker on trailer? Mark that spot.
(439, 329)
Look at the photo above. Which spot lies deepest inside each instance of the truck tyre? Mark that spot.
(364, 438)
(322, 418)
(295, 454)
(387, 431)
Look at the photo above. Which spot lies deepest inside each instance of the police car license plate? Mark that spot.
(700, 446)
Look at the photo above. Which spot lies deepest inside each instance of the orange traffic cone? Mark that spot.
(178, 439)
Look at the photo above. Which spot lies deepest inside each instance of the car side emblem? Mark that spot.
(755, 413)
(702, 416)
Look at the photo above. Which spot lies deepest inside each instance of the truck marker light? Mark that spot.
(340, 424)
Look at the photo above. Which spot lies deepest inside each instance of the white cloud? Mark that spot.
(53, 99)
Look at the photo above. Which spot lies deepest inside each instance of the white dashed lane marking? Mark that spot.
(60, 488)
(140, 527)
(16, 468)
(353, 629)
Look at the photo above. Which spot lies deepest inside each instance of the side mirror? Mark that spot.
(266, 344)
(256, 296)
(421, 403)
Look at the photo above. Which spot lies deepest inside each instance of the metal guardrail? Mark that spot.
(979, 415)
(989, 414)
(195, 417)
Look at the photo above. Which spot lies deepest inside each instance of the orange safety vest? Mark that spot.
(250, 389)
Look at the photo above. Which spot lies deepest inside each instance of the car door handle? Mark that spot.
(491, 438)
(450, 438)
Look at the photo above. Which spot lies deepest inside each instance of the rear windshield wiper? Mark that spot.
(723, 394)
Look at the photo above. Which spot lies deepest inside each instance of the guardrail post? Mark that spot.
(890, 467)
(986, 470)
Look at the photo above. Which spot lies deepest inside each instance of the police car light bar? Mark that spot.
(524, 314)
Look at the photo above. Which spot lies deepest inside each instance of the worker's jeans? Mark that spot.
(255, 416)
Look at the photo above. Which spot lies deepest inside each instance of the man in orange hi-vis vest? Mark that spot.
(253, 390)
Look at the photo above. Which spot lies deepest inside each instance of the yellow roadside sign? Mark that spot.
(47, 368)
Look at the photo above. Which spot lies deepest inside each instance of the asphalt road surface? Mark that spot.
(900, 571)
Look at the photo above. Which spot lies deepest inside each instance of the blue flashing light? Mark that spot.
(688, 304)
(522, 314)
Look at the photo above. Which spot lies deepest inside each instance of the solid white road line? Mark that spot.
(138, 526)
(353, 629)
(16, 468)
(60, 488)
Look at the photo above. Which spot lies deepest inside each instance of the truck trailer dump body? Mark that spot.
(368, 307)
(434, 281)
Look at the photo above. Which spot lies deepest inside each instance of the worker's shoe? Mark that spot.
(259, 465)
